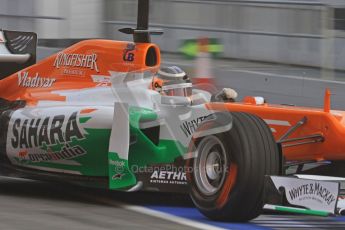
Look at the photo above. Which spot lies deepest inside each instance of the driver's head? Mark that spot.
(172, 81)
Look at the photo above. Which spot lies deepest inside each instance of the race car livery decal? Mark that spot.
(317, 195)
(189, 127)
(67, 152)
(120, 174)
(36, 139)
(314, 190)
(164, 177)
(24, 80)
(76, 60)
(29, 133)
(55, 139)
(128, 53)
(73, 72)
(168, 177)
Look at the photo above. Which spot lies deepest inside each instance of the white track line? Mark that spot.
(172, 218)
(153, 213)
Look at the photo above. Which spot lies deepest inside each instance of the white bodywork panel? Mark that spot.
(119, 136)
(312, 194)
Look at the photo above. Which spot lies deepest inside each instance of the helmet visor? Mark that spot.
(180, 90)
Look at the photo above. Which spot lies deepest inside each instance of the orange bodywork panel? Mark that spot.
(76, 68)
(329, 125)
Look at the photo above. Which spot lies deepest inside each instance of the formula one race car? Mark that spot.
(98, 114)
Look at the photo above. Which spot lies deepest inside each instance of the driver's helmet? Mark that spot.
(172, 81)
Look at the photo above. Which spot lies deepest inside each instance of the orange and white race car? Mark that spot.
(93, 114)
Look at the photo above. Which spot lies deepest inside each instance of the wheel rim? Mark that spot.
(210, 165)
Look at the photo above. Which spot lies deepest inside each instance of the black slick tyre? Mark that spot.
(227, 180)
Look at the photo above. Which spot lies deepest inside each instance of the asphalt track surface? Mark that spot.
(27, 204)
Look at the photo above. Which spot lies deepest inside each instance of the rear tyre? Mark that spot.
(227, 179)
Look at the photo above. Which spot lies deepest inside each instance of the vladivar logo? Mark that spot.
(24, 80)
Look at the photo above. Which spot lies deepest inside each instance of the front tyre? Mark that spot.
(227, 179)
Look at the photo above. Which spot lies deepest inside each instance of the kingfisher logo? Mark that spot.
(76, 60)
